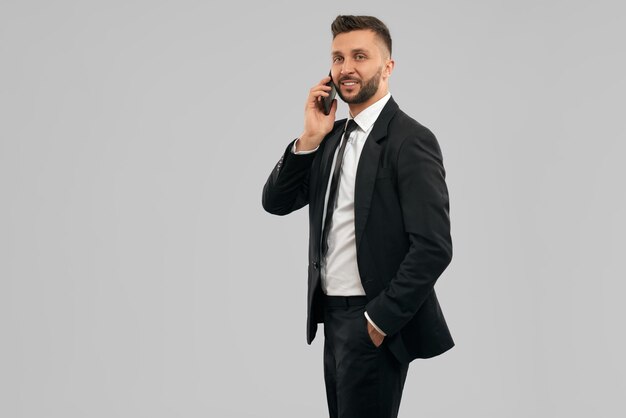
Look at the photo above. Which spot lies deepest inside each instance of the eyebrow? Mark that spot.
(354, 51)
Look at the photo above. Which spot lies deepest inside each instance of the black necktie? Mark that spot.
(334, 185)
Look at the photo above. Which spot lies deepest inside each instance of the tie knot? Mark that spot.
(350, 126)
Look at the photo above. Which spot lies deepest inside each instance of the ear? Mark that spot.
(388, 68)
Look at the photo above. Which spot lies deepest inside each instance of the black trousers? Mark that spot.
(362, 380)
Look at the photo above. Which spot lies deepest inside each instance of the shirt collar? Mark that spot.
(368, 116)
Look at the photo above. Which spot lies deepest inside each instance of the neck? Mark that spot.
(357, 108)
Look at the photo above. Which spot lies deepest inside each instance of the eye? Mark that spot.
(360, 56)
(337, 59)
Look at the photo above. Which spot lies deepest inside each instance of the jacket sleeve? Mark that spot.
(424, 201)
(287, 188)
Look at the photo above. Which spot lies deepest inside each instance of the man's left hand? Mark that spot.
(376, 337)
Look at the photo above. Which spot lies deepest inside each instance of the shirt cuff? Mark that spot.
(373, 324)
(293, 149)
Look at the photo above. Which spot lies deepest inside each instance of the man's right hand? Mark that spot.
(316, 124)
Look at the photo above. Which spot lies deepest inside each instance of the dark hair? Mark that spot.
(348, 23)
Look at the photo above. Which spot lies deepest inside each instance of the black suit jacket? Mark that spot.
(401, 221)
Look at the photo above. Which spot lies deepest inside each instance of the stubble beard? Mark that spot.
(366, 92)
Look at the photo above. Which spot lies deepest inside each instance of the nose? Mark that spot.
(347, 67)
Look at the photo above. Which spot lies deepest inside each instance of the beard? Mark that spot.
(366, 92)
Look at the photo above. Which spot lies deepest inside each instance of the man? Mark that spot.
(379, 227)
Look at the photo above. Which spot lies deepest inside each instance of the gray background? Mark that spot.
(140, 277)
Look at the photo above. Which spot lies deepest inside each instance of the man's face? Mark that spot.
(359, 66)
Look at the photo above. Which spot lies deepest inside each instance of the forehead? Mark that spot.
(346, 42)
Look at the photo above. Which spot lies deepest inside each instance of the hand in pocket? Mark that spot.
(376, 337)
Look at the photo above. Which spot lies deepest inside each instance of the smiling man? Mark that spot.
(379, 234)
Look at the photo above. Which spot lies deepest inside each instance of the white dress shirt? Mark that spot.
(339, 269)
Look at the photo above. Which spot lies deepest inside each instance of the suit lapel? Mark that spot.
(368, 167)
(328, 151)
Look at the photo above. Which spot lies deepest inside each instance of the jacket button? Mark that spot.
(316, 265)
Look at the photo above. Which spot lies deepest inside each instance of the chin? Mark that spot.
(350, 95)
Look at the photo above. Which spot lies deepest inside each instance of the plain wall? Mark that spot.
(140, 276)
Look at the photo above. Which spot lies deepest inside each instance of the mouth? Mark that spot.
(349, 83)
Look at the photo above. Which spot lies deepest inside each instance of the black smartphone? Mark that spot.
(327, 102)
